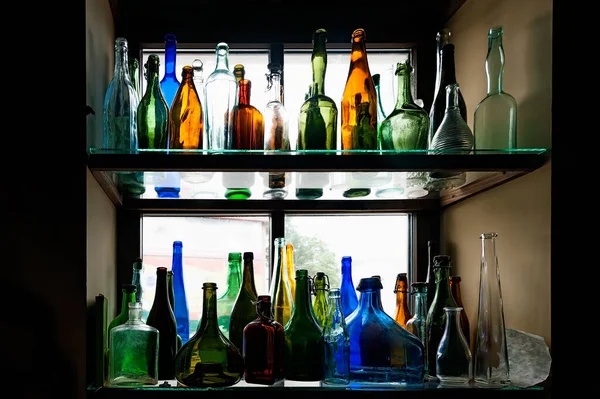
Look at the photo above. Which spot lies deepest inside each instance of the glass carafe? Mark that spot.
(453, 358)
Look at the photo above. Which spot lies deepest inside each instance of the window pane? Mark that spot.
(207, 240)
(378, 245)
(298, 77)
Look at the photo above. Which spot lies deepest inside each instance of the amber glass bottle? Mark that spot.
(264, 341)
(401, 290)
(248, 124)
(187, 121)
(359, 101)
(464, 320)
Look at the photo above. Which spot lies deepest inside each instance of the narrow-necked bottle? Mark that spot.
(280, 289)
(464, 320)
(134, 74)
(136, 279)
(380, 349)
(432, 251)
(275, 115)
(220, 90)
(198, 67)
(161, 317)
(321, 289)
(347, 290)
(380, 114)
(454, 364)
(133, 358)
(169, 84)
(226, 301)
(187, 120)
(418, 323)
(244, 308)
(441, 39)
(209, 359)
(128, 291)
(153, 111)
(247, 122)
(337, 342)
(181, 306)
(317, 122)
(263, 347)
(172, 301)
(359, 101)
(436, 317)
(402, 314)
(290, 269)
(495, 123)
(304, 348)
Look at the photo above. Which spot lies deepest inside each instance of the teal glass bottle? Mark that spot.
(226, 301)
(304, 346)
(380, 113)
(153, 111)
(128, 291)
(136, 279)
(337, 342)
(169, 84)
(244, 308)
(321, 288)
(134, 74)
(417, 324)
(495, 123)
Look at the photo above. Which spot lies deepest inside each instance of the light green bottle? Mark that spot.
(128, 297)
(226, 301)
(321, 287)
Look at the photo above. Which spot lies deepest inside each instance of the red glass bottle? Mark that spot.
(263, 346)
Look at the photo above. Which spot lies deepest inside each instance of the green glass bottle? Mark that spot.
(304, 346)
(436, 317)
(321, 288)
(153, 111)
(226, 301)
(134, 69)
(380, 114)
(128, 291)
(208, 359)
(317, 122)
(244, 309)
(172, 301)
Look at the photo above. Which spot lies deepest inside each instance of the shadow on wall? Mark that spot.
(98, 78)
(534, 118)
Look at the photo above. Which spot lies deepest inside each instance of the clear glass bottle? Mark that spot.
(153, 111)
(208, 359)
(417, 324)
(280, 289)
(432, 251)
(133, 358)
(290, 269)
(319, 303)
(263, 347)
(464, 320)
(453, 358)
(495, 123)
(491, 367)
(381, 351)
(181, 306)
(198, 67)
(220, 89)
(169, 84)
(402, 314)
(186, 122)
(380, 114)
(226, 301)
(244, 308)
(317, 122)
(359, 100)
(347, 290)
(304, 347)
(436, 316)
(136, 279)
(247, 122)
(128, 296)
(337, 342)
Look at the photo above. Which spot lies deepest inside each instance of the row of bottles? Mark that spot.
(305, 330)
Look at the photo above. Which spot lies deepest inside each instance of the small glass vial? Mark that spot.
(453, 359)
(133, 356)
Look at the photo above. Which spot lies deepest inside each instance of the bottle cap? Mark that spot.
(138, 265)
(441, 261)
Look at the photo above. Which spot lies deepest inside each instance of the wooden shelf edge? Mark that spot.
(478, 186)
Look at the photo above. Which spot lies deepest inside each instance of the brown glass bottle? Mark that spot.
(359, 101)
(161, 317)
(186, 121)
(401, 290)
(263, 346)
(248, 124)
(464, 320)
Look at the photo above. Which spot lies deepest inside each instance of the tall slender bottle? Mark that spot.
(441, 39)
(169, 84)
(161, 317)
(402, 315)
(436, 317)
(226, 301)
(291, 271)
(380, 114)
(128, 291)
(418, 323)
(172, 301)
(134, 74)
(136, 279)
(220, 90)
(181, 307)
(244, 309)
(359, 101)
(347, 290)
(153, 111)
(464, 320)
(187, 120)
(321, 290)
(317, 122)
(198, 67)
(337, 342)
(280, 289)
(304, 348)
(432, 251)
(495, 124)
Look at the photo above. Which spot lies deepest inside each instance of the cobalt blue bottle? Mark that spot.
(347, 291)
(182, 316)
(381, 351)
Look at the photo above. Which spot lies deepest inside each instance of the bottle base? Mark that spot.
(238, 193)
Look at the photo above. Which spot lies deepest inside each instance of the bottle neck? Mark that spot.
(370, 299)
(263, 311)
(121, 69)
(319, 67)
(128, 297)
(302, 306)
(152, 80)
(321, 287)
(452, 98)
(209, 322)
(488, 247)
(421, 305)
(347, 273)
(177, 263)
(452, 321)
(401, 294)
(442, 281)
(358, 57)
(170, 57)
(455, 289)
(274, 88)
(161, 295)
(448, 74)
(335, 314)
(404, 89)
(248, 277)
(494, 64)
(222, 60)
(233, 279)
(244, 92)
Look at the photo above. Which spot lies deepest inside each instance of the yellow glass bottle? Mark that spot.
(359, 101)
(186, 121)
(291, 272)
(282, 302)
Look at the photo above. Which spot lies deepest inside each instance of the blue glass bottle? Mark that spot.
(181, 307)
(381, 351)
(348, 293)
